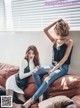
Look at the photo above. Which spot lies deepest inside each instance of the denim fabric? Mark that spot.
(41, 87)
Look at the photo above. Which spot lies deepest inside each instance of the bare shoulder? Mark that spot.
(70, 42)
(55, 40)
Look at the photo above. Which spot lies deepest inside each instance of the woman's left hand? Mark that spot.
(35, 69)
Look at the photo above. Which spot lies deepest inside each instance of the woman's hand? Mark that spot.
(46, 30)
(35, 69)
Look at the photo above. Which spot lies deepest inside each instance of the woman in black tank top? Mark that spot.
(62, 49)
(59, 53)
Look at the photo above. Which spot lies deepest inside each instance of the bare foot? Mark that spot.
(41, 98)
(27, 104)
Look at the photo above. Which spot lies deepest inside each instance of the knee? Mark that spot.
(47, 79)
(38, 71)
(34, 73)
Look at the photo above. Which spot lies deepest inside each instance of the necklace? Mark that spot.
(58, 47)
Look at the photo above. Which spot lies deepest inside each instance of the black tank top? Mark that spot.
(58, 53)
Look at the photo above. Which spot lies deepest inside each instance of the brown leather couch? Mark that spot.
(68, 85)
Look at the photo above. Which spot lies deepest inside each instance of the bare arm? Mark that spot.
(46, 30)
(23, 65)
(70, 44)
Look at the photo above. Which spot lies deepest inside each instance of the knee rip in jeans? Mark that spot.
(47, 79)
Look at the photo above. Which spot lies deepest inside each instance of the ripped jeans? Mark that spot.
(42, 86)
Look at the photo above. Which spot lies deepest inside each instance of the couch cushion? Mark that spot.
(31, 80)
(30, 90)
(2, 81)
(76, 100)
(68, 85)
(68, 93)
(66, 82)
(7, 70)
(56, 102)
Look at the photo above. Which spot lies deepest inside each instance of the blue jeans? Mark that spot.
(42, 87)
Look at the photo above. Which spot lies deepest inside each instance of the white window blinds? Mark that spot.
(2, 15)
(36, 14)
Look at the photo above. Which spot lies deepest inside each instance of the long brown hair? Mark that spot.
(36, 59)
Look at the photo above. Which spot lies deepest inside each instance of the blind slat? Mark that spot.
(2, 16)
(35, 14)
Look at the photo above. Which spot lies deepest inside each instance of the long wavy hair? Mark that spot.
(36, 59)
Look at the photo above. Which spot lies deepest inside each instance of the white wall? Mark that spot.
(13, 47)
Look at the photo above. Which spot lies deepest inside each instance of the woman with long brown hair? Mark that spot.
(18, 82)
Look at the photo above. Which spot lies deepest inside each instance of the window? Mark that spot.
(2, 15)
(35, 14)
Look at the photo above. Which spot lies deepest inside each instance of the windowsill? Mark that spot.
(32, 29)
